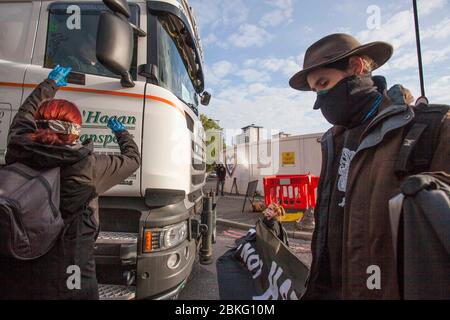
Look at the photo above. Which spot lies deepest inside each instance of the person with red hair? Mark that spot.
(44, 134)
(53, 112)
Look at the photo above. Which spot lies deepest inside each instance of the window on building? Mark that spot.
(72, 34)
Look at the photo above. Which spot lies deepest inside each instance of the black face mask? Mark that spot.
(349, 101)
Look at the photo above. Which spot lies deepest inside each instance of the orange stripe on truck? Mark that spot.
(97, 91)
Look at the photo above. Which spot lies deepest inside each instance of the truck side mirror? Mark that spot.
(115, 45)
(205, 98)
(119, 6)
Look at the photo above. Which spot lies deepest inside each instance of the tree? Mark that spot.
(209, 124)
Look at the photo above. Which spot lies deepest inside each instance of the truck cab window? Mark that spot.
(173, 66)
(71, 39)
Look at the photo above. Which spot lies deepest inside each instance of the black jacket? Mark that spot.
(277, 229)
(84, 175)
(221, 172)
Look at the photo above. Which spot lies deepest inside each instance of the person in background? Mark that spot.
(271, 219)
(44, 134)
(221, 172)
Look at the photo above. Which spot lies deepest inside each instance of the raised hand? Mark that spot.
(115, 125)
(59, 75)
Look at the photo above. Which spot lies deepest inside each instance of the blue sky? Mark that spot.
(253, 47)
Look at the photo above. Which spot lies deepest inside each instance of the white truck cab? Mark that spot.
(148, 239)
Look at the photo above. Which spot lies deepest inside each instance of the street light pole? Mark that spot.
(419, 50)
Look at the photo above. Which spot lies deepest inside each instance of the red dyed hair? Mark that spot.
(56, 109)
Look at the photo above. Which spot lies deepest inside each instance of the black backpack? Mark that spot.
(30, 220)
(420, 223)
(420, 214)
(420, 140)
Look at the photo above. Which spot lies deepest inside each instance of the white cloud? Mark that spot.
(429, 58)
(218, 13)
(252, 71)
(249, 35)
(344, 30)
(273, 18)
(256, 88)
(307, 29)
(439, 90)
(428, 6)
(398, 30)
(210, 39)
(213, 80)
(281, 13)
(439, 31)
(250, 86)
(279, 108)
(286, 66)
(222, 68)
(252, 75)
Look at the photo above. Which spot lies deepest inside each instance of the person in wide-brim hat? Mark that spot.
(360, 169)
(336, 47)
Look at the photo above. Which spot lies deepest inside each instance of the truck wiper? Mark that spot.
(193, 107)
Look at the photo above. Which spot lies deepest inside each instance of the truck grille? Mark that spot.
(117, 237)
(116, 292)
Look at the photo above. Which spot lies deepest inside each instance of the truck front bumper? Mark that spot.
(155, 280)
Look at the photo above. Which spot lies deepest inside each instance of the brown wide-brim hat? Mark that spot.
(335, 47)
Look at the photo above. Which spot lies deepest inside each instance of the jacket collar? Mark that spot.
(390, 117)
(34, 154)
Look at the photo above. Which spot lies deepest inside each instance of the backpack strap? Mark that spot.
(420, 140)
(408, 146)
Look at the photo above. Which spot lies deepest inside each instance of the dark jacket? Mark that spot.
(84, 175)
(371, 183)
(277, 228)
(221, 172)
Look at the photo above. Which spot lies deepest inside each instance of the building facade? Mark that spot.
(283, 154)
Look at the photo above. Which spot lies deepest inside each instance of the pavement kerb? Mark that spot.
(244, 226)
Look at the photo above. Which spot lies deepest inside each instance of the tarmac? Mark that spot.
(229, 213)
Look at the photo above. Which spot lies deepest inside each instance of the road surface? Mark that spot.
(203, 284)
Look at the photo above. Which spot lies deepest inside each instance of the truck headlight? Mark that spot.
(175, 234)
(158, 239)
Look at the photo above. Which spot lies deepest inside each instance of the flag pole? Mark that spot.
(419, 50)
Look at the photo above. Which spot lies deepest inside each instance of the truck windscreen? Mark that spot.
(175, 71)
(71, 38)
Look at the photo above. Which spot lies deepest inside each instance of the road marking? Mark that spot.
(300, 248)
(236, 232)
(232, 235)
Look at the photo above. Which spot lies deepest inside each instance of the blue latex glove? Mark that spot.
(59, 75)
(115, 125)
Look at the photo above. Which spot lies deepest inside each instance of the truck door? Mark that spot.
(18, 23)
(67, 36)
